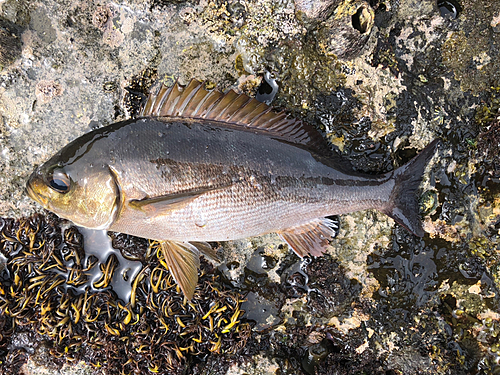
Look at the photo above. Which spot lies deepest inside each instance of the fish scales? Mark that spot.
(203, 166)
(256, 180)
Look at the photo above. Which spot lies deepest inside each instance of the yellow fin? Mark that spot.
(183, 260)
(230, 110)
(310, 238)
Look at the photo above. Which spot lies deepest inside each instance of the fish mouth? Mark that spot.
(33, 192)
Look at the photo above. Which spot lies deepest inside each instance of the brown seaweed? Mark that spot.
(157, 331)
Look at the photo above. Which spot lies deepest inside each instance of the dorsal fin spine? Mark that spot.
(210, 108)
(198, 100)
(161, 95)
(281, 125)
(173, 100)
(247, 108)
(206, 103)
(200, 105)
(223, 105)
(272, 124)
(226, 105)
(159, 105)
(147, 107)
(230, 110)
(167, 101)
(254, 112)
(260, 115)
(243, 105)
(187, 99)
(295, 132)
(267, 119)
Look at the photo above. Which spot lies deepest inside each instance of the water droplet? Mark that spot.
(268, 262)
(125, 273)
(449, 9)
(200, 221)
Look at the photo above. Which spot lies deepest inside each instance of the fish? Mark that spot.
(199, 166)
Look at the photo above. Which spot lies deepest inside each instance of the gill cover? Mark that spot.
(87, 195)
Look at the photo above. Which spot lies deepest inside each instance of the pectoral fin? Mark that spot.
(166, 203)
(183, 260)
(310, 238)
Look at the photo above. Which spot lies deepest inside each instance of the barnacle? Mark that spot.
(428, 202)
(45, 286)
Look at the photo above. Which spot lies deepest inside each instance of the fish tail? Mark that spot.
(403, 204)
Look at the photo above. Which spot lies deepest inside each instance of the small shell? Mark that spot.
(316, 10)
(347, 30)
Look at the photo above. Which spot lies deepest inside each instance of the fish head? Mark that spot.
(85, 193)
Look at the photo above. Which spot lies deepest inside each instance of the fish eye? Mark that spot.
(59, 182)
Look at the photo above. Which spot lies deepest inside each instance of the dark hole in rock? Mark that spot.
(360, 19)
(450, 301)
(449, 9)
(267, 89)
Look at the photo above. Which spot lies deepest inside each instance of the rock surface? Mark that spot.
(381, 301)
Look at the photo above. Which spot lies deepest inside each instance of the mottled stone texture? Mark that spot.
(380, 84)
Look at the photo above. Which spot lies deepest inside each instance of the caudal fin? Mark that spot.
(403, 204)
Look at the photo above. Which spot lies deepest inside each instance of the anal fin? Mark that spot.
(183, 260)
(310, 238)
(206, 249)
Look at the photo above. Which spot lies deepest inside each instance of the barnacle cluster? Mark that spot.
(158, 330)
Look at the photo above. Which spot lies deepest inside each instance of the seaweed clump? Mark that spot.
(156, 331)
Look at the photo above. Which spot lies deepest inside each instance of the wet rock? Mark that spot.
(10, 42)
(45, 91)
(471, 48)
(41, 23)
(394, 304)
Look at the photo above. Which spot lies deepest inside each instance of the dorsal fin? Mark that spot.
(230, 110)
